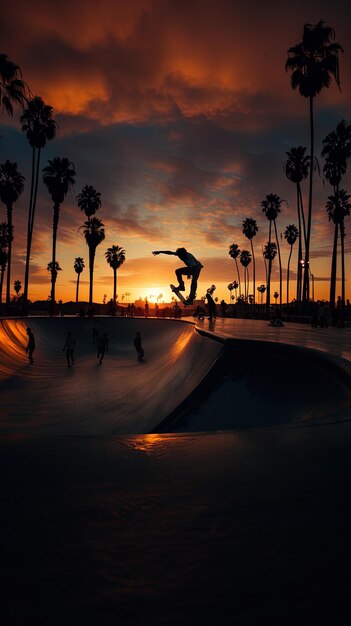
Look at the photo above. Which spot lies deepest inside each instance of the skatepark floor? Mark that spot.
(247, 526)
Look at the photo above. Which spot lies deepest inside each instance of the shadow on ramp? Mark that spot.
(260, 384)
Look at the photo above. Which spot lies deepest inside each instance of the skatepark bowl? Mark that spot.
(210, 479)
(188, 382)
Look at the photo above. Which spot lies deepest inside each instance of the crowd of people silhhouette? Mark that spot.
(100, 340)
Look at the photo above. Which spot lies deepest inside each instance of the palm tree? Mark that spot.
(17, 285)
(53, 268)
(291, 234)
(115, 257)
(245, 260)
(11, 187)
(230, 287)
(235, 287)
(4, 243)
(250, 230)
(296, 169)
(94, 234)
(39, 125)
(338, 207)
(78, 268)
(337, 151)
(234, 252)
(12, 88)
(313, 63)
(261, 289)
(59, 177)
(89, 200)
(271, 208)
(269, 253)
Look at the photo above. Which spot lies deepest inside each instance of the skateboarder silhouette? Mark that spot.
(192, 270)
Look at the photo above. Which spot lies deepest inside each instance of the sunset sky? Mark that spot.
(180, 112)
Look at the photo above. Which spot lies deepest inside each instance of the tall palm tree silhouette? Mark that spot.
(337, 151)
(271, 208)
(234, 252)
(338, 207)
(115, 257)
(269, 253)
(94, 234)
(11, 188)
(39, 125)
(13, 89)
(245, 260)
(79, 266)
(250, 230)
(313, 63)
(59, 177)
(89, 200)
(296, 169)
(4, 243)
(291, 234)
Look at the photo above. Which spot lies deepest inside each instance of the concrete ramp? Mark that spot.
(122, 396)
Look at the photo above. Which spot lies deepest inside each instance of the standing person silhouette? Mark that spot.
(138, 346)
(69, 347)
(102, 346)
(211, 305)
(30, 346)
(192, 270)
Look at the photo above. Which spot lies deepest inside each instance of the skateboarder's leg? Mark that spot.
(195, 275)
(180, 272)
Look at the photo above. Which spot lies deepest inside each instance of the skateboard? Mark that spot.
(179, 294)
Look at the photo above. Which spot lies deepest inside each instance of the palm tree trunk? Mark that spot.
(35, 191)
(91, 274)
(55, 221)
(342, 241)
(77, 287)
(287, 277)
(9, 253)
(237, 269)
(280, 265)
(29, 241)
(268, 296)
(114, 285)
(306, 282)
(333, 270)
(254, 273)
(302, 213)
(299, 266)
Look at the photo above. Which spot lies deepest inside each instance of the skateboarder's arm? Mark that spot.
(164, 252)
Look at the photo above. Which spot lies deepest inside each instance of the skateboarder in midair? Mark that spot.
(192, 270)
